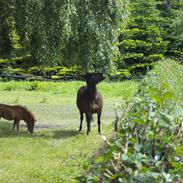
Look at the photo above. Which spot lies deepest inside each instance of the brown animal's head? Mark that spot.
(30, 125)
(30, 120)
(94, 78)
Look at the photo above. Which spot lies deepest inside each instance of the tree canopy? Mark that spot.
(104, 36)
(62, 32)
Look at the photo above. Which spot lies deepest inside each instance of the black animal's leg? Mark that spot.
(92, 118)
(18, 126)
(88, 120)
(99, 121)
(81, 121)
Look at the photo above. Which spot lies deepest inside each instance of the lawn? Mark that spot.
(56, 152)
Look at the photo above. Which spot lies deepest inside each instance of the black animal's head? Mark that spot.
(94, 78)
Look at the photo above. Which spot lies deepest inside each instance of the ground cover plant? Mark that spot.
(149, 147)
(56, 152)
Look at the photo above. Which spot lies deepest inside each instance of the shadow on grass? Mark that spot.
(5, 131)
(60, 134)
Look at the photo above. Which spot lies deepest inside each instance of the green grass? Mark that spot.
(56, 152)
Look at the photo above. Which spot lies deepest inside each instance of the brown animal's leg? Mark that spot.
(16, 123)
(81, 121)
(88, 120)
(13, 126)
(99, 122)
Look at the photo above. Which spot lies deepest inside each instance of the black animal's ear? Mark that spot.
(85, 76)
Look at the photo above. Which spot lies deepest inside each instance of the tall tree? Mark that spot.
(141, 42)
(69, 32)
(169, 12)
(40, 25)
(6, 28)
(95, 30)
(178, 34)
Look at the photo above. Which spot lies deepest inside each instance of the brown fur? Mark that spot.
(17, 113)
(89, 100)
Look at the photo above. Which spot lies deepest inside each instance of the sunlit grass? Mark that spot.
(56, 152)
(110, 89)
(47, 156)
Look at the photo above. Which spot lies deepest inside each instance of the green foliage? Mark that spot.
(122, 73)
(55, 77)
(69, 33)
(52, 70)
(35, 70)
(178, 26)
(10, 67)
(15, 62)
(178, 35)
(96, 37)
(149, 145)
(170, 13)
(95, 32)
(33, 86)
(142, 40)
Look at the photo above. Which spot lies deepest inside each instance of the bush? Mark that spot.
(72, 71)
(33, 86)
(140, 69)
(55, 77)
(36, 71)
(149, 147)
(50, 71)
(14, 62)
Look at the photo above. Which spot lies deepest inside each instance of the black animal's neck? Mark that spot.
(91, 89)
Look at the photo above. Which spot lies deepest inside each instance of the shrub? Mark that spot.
(149, 147)
(52, 70)
(34, 85)
(55, 77)
(14, 62)
(9, 88)
(19, 71)
(36, 71)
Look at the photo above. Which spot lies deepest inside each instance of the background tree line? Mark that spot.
(105, 36)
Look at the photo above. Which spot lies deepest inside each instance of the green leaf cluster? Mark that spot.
(149, 145)
(60, 32)
(142, 40)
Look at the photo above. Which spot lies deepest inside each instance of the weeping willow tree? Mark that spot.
(70, 32)
(95, 29)
(41, 25)
(8, 37)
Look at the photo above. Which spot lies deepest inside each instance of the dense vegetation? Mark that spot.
(60, 32)
(117, 37)
(53, 40)
(149, 146)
